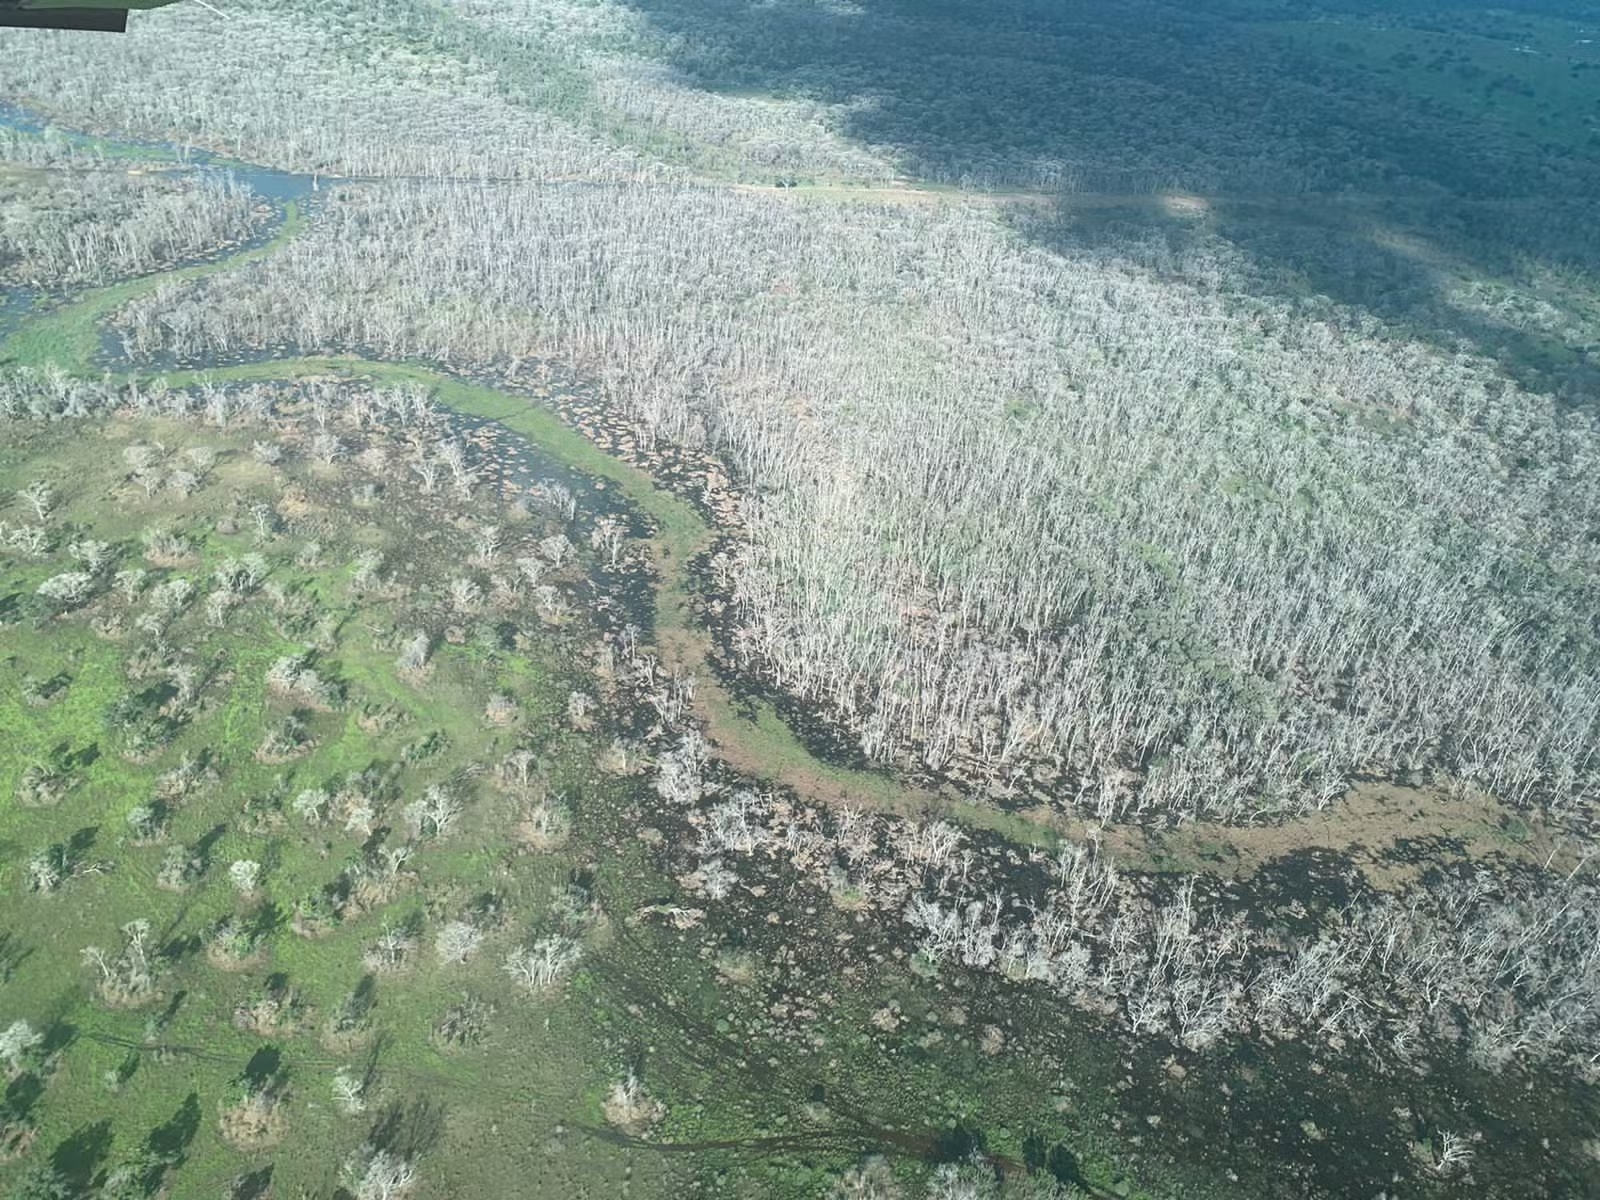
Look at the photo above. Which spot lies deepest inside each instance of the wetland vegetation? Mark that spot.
(817, 599)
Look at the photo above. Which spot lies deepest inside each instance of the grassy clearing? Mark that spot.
(750, 735)
(518, 1111)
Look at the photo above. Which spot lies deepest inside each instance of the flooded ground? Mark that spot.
(14, 305)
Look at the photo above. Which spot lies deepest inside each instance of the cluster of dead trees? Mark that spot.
(550, 89)
(49, 148)
(1506, 967)
(49, 393)
(1047, 522)
(1051, 523)
(92, 227)
(306, 87)
(757, 140)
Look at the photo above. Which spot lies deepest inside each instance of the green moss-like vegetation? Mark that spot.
(156, 750)
(146, 784)
(173, 719)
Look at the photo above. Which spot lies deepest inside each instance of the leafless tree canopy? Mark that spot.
(100, 225)
(1007, 506)
(1098, 522)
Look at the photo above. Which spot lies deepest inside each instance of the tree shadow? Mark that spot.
(959, 1144)
(173, 950)
(78, 1158)
(369, 1071)
(22, 1093)
(170, 1140)
(81, 843)
(1057, 1160)
(208, 842)
(364, 996)
(265, 920)
(409, 1129)
(264, 1068)
(59, 1033)
(126, 1069)
(83, 757)
(257, 1185)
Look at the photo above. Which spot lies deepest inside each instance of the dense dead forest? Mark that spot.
(1164, 551)
(1503, 964)
(1093, 523)
(67, 225)
(532, 90)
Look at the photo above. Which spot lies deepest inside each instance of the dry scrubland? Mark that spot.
(1117, 518)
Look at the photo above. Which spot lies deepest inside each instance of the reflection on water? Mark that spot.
(279, 186)
(13, 303)
(272, 184)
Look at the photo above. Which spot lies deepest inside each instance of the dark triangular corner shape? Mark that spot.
(103, 20)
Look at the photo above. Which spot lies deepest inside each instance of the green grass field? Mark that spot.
(181, 1040)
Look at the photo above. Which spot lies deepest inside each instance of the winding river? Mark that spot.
(747, 733)
(36, 328)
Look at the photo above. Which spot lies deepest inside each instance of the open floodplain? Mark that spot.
(591, 606)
